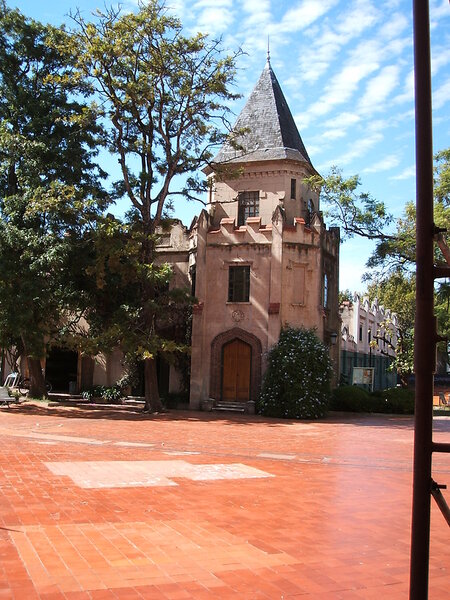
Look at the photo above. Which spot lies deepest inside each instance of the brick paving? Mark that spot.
(113, 504)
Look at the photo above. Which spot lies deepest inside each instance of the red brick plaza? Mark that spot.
(110, 503)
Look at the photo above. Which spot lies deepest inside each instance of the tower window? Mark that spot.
(248, 206)
(325, 290)
(309, 212)
(293, 189)
(239, 284)
(193, 272)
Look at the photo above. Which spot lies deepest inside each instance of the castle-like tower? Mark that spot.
(261, 254)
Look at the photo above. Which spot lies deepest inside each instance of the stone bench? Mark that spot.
(5, 398)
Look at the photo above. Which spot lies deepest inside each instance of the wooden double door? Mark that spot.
(236, 371)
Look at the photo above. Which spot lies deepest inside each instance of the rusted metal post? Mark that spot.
(425, 333)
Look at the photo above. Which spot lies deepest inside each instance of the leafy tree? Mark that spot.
(355, 212)
(393, 259)
(345, 296)
(114, 312)
(297, 380)
(399, 252)
(398, 293)
(442, 177)
(48, 142)
(164, 99)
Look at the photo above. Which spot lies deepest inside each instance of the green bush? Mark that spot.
(395, 400)
(297, 381)
(355, 399)
(112, 394)
(350, 398)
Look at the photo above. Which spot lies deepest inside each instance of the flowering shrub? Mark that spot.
(297, 381)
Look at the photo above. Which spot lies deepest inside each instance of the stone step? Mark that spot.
(229, 406)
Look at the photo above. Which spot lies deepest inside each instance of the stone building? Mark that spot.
(259, 257)
(369, 337)
(260, 254)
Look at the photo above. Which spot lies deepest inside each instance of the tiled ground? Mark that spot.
(114, 504)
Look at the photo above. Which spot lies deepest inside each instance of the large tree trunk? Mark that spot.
(152, 400)
(37, 381)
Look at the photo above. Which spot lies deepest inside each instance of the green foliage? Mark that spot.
(345, 296)
(392, 263)
(164, 99)
(49, 188)
(351, 398)
(111, 395)
(442, 177)
(353, 211)
(398, 293)
(164, 96)
(297, 381)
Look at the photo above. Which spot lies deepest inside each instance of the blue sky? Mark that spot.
(346, 68)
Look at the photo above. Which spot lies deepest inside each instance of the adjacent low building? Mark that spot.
(368, 341)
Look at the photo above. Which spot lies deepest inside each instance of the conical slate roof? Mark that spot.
(272, 132)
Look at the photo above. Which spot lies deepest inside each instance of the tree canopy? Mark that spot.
(50, 189)
(391, 265)
(163, 99)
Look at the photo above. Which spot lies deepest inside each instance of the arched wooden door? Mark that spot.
(236, 367)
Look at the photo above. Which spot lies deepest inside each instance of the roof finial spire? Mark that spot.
(268, 49)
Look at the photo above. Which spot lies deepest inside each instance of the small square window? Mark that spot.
(239, 284)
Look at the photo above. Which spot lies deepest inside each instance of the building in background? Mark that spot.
(369, 338)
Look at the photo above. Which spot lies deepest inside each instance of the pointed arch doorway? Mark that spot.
(236, 371)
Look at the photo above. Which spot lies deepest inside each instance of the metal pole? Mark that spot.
(425, 332)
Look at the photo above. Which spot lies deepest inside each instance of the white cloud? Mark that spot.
(441, 95)
(440, 57)
(213, 20)
(378, 89)
(316, 59)
(333, 134)
(345, 119)
(385, 164)
(304, 14)
(408, 90)
(254, 6)
(359, 16)
(396, 24)
(439, 9)
(405, 174)
(360, 148)
(342, 87)
(258, 14)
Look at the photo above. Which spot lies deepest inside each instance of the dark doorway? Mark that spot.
(61, 368)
